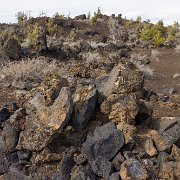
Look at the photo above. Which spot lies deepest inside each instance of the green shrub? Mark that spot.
(32, 34)
(93, 19)
(51, 27)
(154, 34)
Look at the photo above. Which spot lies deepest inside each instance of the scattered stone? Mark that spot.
(82, 172)
(101, 167)
(167, 122)
(170, 90)
(79, 159)
(117, 161)
(10, 136)
(85, 99)
(66, 165)
(124, 78)
(46, 122)
(106, 141)
(114, 176)
(133, 169)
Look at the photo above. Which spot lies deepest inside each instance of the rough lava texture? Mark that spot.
(83, 110)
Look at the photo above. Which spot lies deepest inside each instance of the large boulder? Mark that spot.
(46, 121)
(106, 141)
(124, 78)
(85, 99)
(121, 109)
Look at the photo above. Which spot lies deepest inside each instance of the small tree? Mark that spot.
(22, 17)
(139, 19)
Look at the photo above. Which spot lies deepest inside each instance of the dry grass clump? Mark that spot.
(177, 49)
(176, 75)
(90, 57)
(144, 68)
(29, 70)
(155, 54)
(136, 59)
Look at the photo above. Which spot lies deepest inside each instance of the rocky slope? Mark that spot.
(90, 116)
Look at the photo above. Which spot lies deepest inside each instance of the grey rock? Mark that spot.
(85, 99)
(101, 167)
(124, 78)
(15, 176)
(167, 122)
(10, 136)
(114, 176)
(106, 142)
(4, 114)
(65, 169)
(83, 173)
(172, 135)
(80, 159)
(170, 90)
(133, 169)
(117, 161)
(23, 155)
(41, 125)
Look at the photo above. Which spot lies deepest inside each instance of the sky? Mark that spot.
(166, 10)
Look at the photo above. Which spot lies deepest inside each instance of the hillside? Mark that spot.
(89, 98)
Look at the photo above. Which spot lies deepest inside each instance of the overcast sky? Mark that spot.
(167, 10)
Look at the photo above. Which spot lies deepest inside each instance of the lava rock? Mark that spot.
(106, 142)
(101, 167)
(46, 121)
(133, 169)
(10, 136)
(85, 99)
(65, 169)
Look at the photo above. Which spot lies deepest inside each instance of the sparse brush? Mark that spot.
(95, 45)
(155, 54)
(177, 49)
(91, 56)
(176, 75)
(143, 68)
(29, 70)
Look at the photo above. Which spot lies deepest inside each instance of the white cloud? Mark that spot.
(151, 9)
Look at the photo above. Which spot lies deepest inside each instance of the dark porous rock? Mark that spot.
(85, 99)
(106, 141)
(167, 122)
(10, 136)
(117, 161)
(170, 90)
(82, 173)
(23, 155)
(66, 165)
(40, 126)
(80, 17)
(17, 116)
(80, 159)
(15, 176)
(124, 78)
(172, 135)
(132, 169)
(114, 176)
(4, 114)
(121, 109)
(7, 110)
(4, 163)
(102, 167)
